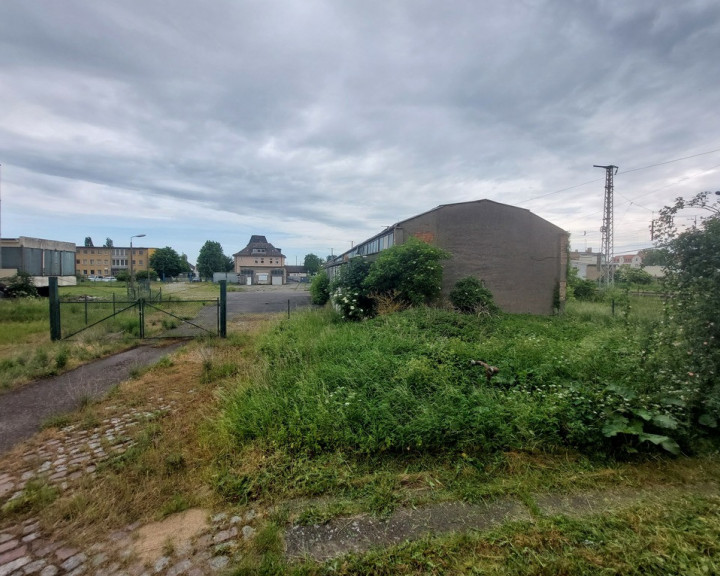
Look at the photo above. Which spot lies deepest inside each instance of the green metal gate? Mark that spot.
(139, 318)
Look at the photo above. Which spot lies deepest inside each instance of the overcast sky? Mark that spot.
(319, 122)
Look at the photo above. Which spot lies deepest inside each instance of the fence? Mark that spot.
(146, 316)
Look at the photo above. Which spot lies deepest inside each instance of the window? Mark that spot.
(92, 261)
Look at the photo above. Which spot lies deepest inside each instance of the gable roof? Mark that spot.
(259, 246)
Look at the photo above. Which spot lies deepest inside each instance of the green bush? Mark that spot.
(470, 296)
(320, 289)
(21, 286)
(412, 272)
(585, 290)
(348, 292)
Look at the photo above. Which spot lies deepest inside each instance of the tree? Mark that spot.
(320, 289)
(626, 274)
(689, 352)
(411, 271)
(654, 257)
(108, 243)
(313, 264)
(88, 242)
(166, 262)
(212, 259)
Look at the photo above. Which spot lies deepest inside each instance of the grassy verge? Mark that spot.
(26, 352)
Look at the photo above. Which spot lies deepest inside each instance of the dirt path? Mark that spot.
(23, 411)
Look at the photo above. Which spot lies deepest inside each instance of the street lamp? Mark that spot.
(132, 273)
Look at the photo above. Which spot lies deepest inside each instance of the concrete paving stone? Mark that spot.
(34, 567)
(219, 518)
(6, 487)
(98, 559)
(195, 572)
(225, 535)
(12, 555)
(49, 570)
(180, 568)
(9, 545)
(236, 520)
(43, 548)
(30, 526)
(78, 571)
(4, 537)
(161, 563)
(58, 475)
(10, 567)
(30, 537)
(248, 532)
(27, 475)
(73, 562)
(64, 553)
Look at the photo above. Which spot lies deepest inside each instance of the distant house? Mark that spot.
(520, 257)
(632, 260)
(587, 263)
(40, 258)
(260, 263)
(296, 273)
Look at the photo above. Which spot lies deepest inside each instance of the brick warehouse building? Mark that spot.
(520, 257)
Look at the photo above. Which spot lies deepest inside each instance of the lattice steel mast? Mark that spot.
(608, 270)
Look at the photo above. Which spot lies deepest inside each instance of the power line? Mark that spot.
(624, 172)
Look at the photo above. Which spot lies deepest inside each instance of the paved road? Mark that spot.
(267, 299)
(23, 411)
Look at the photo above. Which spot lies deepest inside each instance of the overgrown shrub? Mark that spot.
(320, 289)
(349, 295)
(471, 297)
(412, 271)
(21, 286)
(585, 290)
(404, 382)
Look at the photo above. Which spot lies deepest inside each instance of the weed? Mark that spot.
(178, 503)
(61, 358)
(56, 421)
(36, 495)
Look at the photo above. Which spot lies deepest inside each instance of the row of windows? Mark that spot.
(270, 261)
(115, 251)
(374, 246)
(115, 262)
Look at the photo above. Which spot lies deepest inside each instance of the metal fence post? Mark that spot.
(223, 309)
(141, 310)
(54, 292)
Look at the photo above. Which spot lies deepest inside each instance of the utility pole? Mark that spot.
(608, 247)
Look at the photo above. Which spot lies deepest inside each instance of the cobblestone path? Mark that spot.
(74, 454)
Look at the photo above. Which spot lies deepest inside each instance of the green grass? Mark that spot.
(404, 383)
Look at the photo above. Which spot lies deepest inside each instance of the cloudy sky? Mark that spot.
(319, 122)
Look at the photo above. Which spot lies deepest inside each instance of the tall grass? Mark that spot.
(404, 382)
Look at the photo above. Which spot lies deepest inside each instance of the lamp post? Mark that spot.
(132, 272)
